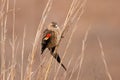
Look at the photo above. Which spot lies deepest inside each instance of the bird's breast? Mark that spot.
(53, 40)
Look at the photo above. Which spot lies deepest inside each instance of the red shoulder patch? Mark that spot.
(47, 36)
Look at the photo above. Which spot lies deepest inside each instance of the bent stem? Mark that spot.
(104, 60)
(36, 41)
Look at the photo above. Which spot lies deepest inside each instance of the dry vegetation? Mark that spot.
(43, 71)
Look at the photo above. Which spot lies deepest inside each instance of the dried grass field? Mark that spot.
(90, 49)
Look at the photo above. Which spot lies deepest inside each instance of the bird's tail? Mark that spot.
(43, 48)
(57, 57)
(63, 66)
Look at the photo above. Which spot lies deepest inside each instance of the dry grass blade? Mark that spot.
(38, 70)
(70, 39)
(69, 42)
(22, 58)
(74, 12)
(78, 10)
(48, 68)
(9, 72)
(65, 73)
(3, 2)
(75, 67)
(39, 74)
(104, 60)
(12, 72)
(67, 19)
(36, 42)
(4, 8)
(82, 52)
(81, 57)
(68, 15)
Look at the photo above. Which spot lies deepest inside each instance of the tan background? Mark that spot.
(102, 15)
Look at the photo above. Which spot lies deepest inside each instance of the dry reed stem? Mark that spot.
(67, 20)
(104, 60)
(65, 73)
(69, 14)
(49, 65)
(68, 44)
(73, 12)
(3, 36)
(22, 56)
(70, 39)
(48, 68)
(40, 70)
(3, 2)
(2, 51)
(79, 9)
(82, 52)
(9, 71)
(8, 77)
(37, 70)
(36, 42)
(6, 16)
(74, 67)
(76, 7)
(55, 65)
(12, 72)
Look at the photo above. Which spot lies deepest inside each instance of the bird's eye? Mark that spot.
(56, 25)
(53, 24)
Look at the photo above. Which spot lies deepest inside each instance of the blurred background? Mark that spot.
(102, 15)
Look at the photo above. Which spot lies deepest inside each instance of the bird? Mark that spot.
(50, 40)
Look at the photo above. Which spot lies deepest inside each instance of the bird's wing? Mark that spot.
(45, 39)
(46, 35)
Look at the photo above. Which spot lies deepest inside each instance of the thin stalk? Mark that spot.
(48, 68)
(78, 10)
(36, 41)
(12, 75)
(65, 73)
(75, 67)
(68, 44)
(104, 60)
(67, 18)
(39, 76)
(3, 36)
(69, 41)
(23, 49)
(82, 52)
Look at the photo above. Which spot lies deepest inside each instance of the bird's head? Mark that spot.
(54, 25)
